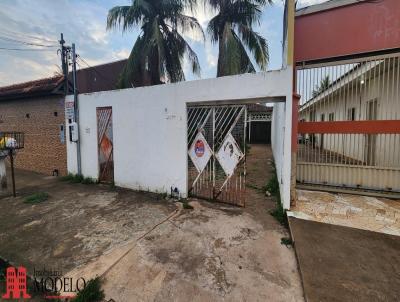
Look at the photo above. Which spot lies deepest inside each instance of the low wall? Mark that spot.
(149, 126)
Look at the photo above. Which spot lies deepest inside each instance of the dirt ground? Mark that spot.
(346, 264)
(147, 248)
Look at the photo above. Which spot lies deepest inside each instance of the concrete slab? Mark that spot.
(346, 264)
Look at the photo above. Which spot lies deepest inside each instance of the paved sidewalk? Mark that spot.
(346, 264)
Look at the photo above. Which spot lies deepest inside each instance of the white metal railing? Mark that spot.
(355, 90)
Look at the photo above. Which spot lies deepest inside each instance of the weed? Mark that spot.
(186, 205)
(112, 185)
(68, 177)
(88, 181)
(77, 178)
(91, 293)
(273, 187)
(273, 184)
(36, 198)
(279, 212)
(286, 241)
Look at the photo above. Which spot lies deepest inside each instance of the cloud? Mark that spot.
(121, 54)
(84, 23)
(42, 21)
(212, 58)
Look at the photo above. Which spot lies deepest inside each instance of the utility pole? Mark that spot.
(64, 62)
(78, 143)
(67, 53)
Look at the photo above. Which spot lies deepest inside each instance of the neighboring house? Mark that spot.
(368, 91)
(259, 124)
(37, 109)
(100, 77)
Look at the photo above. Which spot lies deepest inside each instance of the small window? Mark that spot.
(331, 116)
(351, 114)
(27, 115)
(55, 113)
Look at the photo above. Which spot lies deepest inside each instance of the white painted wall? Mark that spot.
(149, 127)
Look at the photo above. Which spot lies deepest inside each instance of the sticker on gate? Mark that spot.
(229, 155)
(199, 148)
(200, 152)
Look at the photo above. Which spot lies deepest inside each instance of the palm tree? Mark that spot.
(232, 29)
(160, 48)
(323, 85)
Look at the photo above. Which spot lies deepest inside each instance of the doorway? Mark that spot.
(105, 144)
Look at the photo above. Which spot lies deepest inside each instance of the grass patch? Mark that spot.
(286, 241)
(91, 293)
(77, 178)
(186, 205)
(36, 198)
(88, 181)
(273, 187)
(273, 184)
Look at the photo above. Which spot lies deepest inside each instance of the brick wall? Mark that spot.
(43, 150)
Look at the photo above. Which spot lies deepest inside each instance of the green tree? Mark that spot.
(232, 29)
(158, 53)
(323, 85)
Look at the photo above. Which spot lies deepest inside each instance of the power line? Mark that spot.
(13, 34)
(93, 67)
(25, 49)
(25, 42)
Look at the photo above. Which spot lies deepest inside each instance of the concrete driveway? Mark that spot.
(147, 248)
(340, 264)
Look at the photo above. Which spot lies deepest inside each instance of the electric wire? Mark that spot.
(79, 57)
(25, 42)
(13, 34)
(25, 49)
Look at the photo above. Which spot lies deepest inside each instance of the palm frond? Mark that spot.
(189, 24)
(256, 44)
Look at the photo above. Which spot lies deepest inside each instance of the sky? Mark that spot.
(83, 22)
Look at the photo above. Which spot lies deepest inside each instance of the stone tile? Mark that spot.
(363, 212)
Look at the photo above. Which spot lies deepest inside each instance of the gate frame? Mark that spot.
(217, 190)
(306, 55)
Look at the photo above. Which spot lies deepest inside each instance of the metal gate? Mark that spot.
(217, 153)
(105, 144)
(350, 124)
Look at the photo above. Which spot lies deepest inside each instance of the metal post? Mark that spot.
(12, 172)
(78, 144)
(3, 175)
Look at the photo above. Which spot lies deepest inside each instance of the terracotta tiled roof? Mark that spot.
(32, 88)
